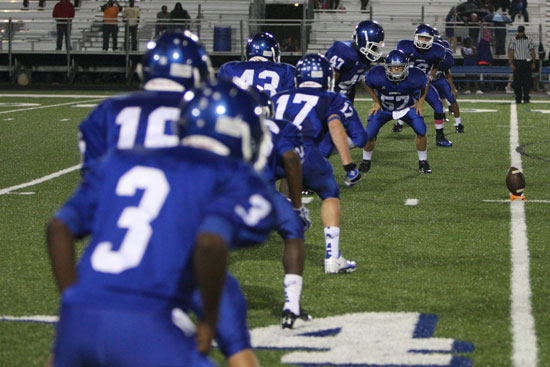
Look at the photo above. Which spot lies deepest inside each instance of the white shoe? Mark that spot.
(467, 92)
(335, 265)
(508, 90)
(479, 91)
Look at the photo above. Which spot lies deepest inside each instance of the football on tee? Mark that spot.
(515, 181)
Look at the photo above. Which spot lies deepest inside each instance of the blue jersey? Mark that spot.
(309, 110)
(446, 64)
(424, 60)
(349, 63)
(284, 136)
(269, 76)
(124, 122)
(396, 96)
(144, 209)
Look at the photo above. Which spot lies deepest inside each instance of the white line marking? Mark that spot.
(40, 180)
(540, 111)
(22, 193)
(526, 201)
(87, 105)
(524, 339)
(56, 95)
(48, 106)
(35, 318)
(411, 202)
(9, 119)
(64, 120)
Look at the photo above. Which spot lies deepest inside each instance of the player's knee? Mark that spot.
(439, 116)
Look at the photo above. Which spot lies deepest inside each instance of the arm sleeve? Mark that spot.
(78, 212)
(290, 138)
(242, 212)
(93, 137)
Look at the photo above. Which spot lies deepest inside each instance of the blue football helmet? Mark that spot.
(424, 30)
(369, 39)
(177, 56)
(263, 46)
(314, 70)
(224, 119)
(397, 58)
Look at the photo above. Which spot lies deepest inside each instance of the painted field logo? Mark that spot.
(365, 339)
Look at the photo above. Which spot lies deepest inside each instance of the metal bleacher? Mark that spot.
(35, 29)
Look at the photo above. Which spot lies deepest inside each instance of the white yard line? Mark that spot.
(526, 201)
(33, 318)
(56, 95)
(524, 339)
(48, 106)
(40, 180)
(411, 202)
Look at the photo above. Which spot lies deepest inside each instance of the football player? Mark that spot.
(351, 59)
(443, 83)
(393, 88)
(161, 221)
(427, 55)
(263, 67)
(316, 110)
(284, 160)
(174, 63)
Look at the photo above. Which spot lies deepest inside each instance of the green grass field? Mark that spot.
(449, 255)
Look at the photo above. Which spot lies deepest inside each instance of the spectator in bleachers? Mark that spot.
(450, 23)
(334, 4)
(473, 27)
(131, 16)
(502, 4)
(180, 17)
(364, 4)
(163, 18)
(63, 13)
(484, 54)
(519, 8)
(110, 23)
(469, 53)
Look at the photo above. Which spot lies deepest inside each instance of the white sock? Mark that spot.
(400, 122)
(422, 155)
(332, 241)
(439, 126)
(293, 291)
(367, 156)
(457, 121)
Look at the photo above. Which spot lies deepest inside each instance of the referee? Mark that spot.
(521, 55)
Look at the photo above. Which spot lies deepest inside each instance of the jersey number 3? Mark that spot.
(137, 219)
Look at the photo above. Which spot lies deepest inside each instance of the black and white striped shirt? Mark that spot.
(521, 48)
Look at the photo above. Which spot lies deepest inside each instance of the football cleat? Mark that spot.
(288, 318)
(397, 128)
(335, 265)
(424, 167)
(459, 128)
(364, 166)
(441, 141)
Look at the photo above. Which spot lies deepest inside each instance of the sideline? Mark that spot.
(40, 180)
(524, 339)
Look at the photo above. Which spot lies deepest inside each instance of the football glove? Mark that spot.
(352, 175)
(303, 213)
